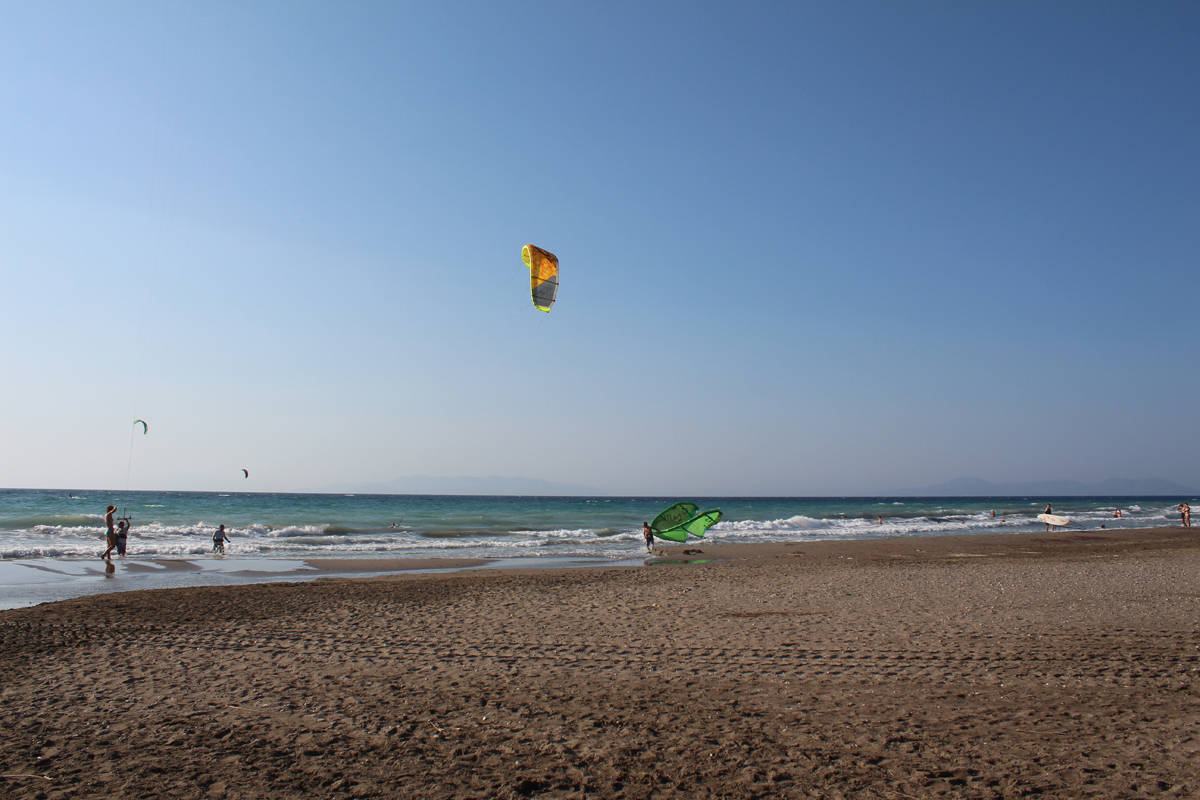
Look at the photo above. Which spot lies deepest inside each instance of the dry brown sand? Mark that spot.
(1063, 665)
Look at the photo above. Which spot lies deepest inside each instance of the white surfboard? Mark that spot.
(1053, 519)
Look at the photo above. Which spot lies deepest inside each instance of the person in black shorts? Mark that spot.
(122, 536)
(219, 540)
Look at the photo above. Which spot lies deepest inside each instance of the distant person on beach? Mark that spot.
(1185, 514)
(1117, 514)
(1048, 511)
(648, 535)
(219, 540)
(993, 513)
(122, 536)
(110, 535)
(879, 521)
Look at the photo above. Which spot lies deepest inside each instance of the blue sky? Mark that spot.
(831, 248)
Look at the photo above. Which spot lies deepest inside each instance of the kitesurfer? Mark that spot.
(648, 535)
(219, 539)
(110, 534)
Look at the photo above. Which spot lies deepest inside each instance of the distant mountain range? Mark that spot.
(492, 484)
(959, 487)
(976, 487)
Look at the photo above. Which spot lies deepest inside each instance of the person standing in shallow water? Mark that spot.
(219, 539)
(1185, 514)
(1048, 511)
(122, 536)
(110, 535)
(648, 535)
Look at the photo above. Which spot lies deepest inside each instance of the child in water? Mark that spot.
(219, 539)
(122, 535)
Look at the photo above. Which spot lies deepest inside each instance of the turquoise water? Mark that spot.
(50, 539)
(68, 523)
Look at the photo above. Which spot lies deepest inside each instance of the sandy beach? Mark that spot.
(1061, 665)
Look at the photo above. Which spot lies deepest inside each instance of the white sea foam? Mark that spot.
(81, 536)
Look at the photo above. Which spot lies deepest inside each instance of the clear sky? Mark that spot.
(806, 248)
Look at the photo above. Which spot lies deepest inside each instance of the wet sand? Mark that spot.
(28, 582)
(1063, 665)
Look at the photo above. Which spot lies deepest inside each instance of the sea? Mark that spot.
(51, 538)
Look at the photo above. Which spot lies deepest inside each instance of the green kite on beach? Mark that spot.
(675, 523)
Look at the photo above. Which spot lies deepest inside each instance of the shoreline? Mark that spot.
(29, 582)
(172, 526)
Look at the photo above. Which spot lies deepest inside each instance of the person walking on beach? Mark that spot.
(219, 540)
(1048, 511)
(648, 535)
(110, 535)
